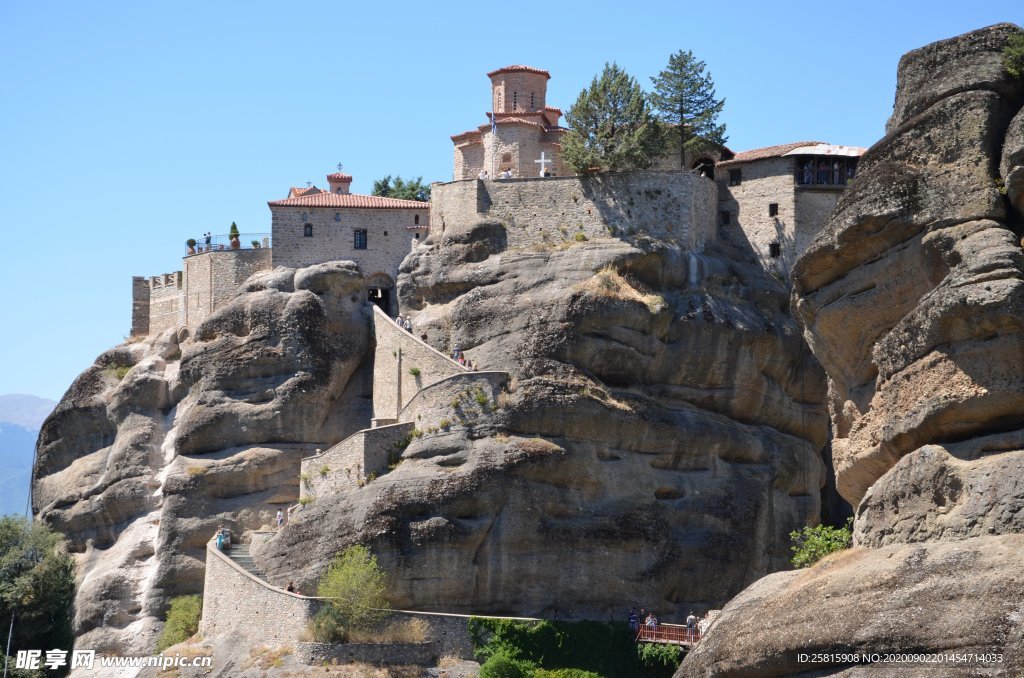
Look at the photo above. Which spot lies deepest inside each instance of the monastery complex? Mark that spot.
(509, 169)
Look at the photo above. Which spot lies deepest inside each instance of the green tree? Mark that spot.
(355, 585)
(233, 231)
(182, 621)
(611, 126)
(811, 544)
(37, 586)
(684, 97)
(1013, 56)
(413, 189)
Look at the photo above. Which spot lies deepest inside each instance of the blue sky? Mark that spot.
(125, 128)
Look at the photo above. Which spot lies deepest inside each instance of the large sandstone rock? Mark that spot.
(912, 295)
(913, 298)
(161, 442)
(964, 597)
(662, 438)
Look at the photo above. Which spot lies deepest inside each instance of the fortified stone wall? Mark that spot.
(140, 306)
(389, 237)
(378, 654)
(398, 355)
(763, 182)
(459, 399)
(350, 463)
(166, 294)
(212, 278)
(237, 603)
(540, 213)
(813, 205)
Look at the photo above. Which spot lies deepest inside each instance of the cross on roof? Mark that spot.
(544, 162)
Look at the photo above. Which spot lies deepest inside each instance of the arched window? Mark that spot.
(307, 230)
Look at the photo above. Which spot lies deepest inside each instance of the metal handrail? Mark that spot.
(222, 242)
(668, 633)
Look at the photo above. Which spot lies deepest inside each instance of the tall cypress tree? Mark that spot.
(611, 126)
(684, 96)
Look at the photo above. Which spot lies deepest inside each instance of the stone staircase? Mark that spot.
(239, 553)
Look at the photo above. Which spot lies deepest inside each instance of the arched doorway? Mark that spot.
(380, 290)
(705, 166)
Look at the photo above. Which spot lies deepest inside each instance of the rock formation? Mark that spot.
(162, 441)
(661, 439)
(913, 299)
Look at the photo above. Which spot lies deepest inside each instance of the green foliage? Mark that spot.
(480, 397)
(233, 232)
(611, 126)
(37, 586)
(413, 189)
(684, 97)
(580, 236)
(327, 626)
(324, 470)
(355, 585)
(501, 664)
(1013, 56)
(563, 649)
(811, 544)
(305, 501)
(20, 673)
(182, 621)
(414, 371)
(121, 370)
(191, 242)
(659, 657)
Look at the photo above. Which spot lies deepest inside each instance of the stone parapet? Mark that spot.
(351, 462)
(674, 206)
(381, 654)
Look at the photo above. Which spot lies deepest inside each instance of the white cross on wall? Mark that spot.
(544, 162)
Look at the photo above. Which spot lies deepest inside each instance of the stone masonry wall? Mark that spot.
(397, 355)
(166, 297)
(212, 278)
(436, 403)
(237, 603)
(140, 306)
(541, 213)
(351, 462)
(813, 205)
(388, 239)
(763, 182)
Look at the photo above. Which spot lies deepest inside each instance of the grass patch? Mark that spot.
(414, 371)
(608, 282)
(196, 470)
(182, 621)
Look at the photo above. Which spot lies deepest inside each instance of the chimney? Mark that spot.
(339, 182)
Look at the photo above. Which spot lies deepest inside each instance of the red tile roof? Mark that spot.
(468, 133)
(514, 121)
(338, 176)
(349, 200)
(296, 191)
(519, 68)
(768, 152)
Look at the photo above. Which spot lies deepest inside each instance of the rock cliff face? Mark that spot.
(662, 436)
(913, 300)
(162, 441)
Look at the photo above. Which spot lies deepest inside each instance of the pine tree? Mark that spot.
(611, 126)
(684, 96)
(413, 189)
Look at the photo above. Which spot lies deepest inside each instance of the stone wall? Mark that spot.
(140, 306)
(813, 205)
(237, 603)
(212, 278)
(763, 182)
(352, 461)
(389, 236)
(166, 296)
(542, 213)
(380, 654)
(475, 392)
(398, 354)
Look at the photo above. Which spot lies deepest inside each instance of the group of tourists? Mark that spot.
(223, 539)
(646, 620)
(485, 175)
(404, 322)
(460, 357)
(835, 174)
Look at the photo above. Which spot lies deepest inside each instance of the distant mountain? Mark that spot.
(20, 419)
(26, 411)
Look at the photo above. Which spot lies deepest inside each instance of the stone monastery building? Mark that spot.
(308, 227)
(510, 169)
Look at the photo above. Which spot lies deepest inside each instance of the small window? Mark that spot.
(532, 107)
(726, 217)
(417, 236)
(773, 209)
(307, 230)
(774, 250)
(337, 216)
(305, 216)
(515, 100)
(385, 234)
(735, 177)
(416, 220)
(360, 240)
